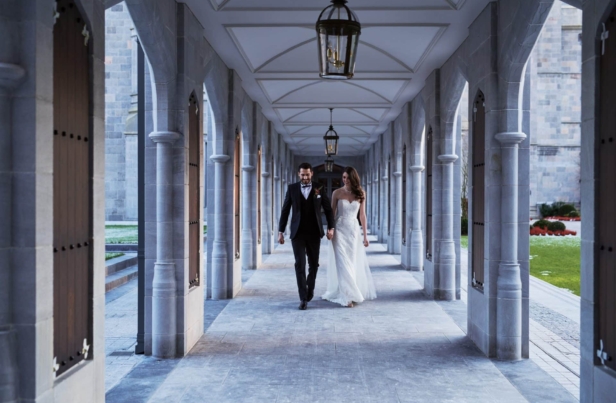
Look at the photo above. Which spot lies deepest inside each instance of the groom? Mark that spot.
(306, 198)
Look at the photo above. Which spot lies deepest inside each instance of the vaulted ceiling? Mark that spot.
(272, 45)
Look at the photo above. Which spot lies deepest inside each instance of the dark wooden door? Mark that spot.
(72, 201)
(404, 169)
(429, 159)
(236, 196)
(606, 219)
(478, 192)
(194, 195)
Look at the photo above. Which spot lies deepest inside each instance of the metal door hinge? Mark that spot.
(86, 35)
(602, 354)
(56, 14)
(604, 35)
(85, 349)
(56, 366)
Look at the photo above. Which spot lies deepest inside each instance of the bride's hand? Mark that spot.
(366, 243)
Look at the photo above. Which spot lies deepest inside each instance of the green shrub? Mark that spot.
(556, 226)
(464, 226)
(546, 210)
(541, 224)
(565, 209)
(574, 214)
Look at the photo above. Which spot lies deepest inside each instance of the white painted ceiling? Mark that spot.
(272, 46)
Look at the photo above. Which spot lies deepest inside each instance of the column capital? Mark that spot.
(276, 177)
(11, 75)
(248, 168)
(416, 168)
(510, 137)
(220, 158)
(164, 137)
(265, 174)
(385, 178)
(397, 174)
(447, 158)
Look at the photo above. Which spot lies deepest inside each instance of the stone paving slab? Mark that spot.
(401, 347)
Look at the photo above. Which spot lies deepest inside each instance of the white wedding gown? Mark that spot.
(348, 274)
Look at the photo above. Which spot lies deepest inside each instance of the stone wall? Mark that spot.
(120, 166)
(555, 74)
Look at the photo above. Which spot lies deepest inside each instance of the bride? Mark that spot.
(348, 275)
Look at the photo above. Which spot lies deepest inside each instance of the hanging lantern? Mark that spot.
(338, 31)
(331, 137)
(329, 164)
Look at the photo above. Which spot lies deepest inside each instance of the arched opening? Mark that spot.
(389, 201)
(259, 154)
(429, 159)
(404, 171)
(378, 199)
(194, 191)
(237, 194)
(72, 189)
(605, 219)
(478, 192)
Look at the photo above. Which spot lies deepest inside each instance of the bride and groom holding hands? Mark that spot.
(349, 279)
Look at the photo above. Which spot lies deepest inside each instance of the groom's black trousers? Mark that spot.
(301, 249)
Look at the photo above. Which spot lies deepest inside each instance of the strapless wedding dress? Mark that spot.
(348, 274)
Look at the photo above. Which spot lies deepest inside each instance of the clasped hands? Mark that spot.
(330, 234)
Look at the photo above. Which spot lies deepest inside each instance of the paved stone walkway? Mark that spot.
(401, 347)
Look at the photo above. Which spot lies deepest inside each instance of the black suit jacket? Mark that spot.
(293, 200)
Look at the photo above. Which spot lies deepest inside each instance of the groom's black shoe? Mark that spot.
(303, 305)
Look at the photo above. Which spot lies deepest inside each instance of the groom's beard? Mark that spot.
(306, 181)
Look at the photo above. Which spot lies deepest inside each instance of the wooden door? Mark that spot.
(236, 195)
(194, 195)
(404, 170)
(429, 159)
(606, 219)
(72, 189)
(478, 192)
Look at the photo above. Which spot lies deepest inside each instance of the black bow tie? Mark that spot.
(306, 186)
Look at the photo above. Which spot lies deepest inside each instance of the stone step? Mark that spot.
(120, 277)
(120, 263)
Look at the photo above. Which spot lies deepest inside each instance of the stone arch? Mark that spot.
(216, 81)
(451, 93)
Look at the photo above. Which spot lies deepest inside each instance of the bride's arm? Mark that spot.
(334, 203)
(362, 218)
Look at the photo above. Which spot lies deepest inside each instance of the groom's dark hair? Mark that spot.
(304, 165)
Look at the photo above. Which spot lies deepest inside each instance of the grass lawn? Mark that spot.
(555, 260)
(117, 234)
(113, 255)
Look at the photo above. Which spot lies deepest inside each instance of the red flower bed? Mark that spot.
(563, 218)
(537, 231)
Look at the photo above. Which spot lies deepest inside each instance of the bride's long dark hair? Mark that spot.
(356, 188)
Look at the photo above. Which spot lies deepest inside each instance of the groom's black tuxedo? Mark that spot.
(306, 231)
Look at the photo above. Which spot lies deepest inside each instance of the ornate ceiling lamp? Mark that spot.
(329, 164)
(338, 31)
(331, 137)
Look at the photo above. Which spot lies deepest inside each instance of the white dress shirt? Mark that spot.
(306, 190)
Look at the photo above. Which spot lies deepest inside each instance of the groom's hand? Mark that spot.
(281, 238)
(330, 234)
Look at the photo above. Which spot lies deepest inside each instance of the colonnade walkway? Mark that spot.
(401, 347)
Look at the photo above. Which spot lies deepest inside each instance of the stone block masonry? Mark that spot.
(120, 165)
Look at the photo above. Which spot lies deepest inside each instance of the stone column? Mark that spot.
(219, 251)
(396, 214)
(369, 197)
(248, 241)
(11, 76)
(417, 248)
(447, 253)
(383, 236)
(509, 282)
(164, 288)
